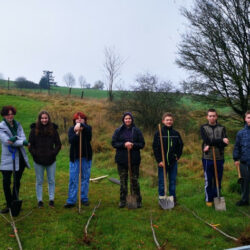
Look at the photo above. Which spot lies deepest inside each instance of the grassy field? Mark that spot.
(111, 227)
(77, 92)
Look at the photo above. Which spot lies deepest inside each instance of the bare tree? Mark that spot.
(216, 50)
(148, 100)
(82, 82)
(112, 66)
(69, 80)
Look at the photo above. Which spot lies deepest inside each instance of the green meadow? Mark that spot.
(111, 227)
(59, 90)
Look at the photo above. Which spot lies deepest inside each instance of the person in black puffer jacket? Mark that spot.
(128, 138)
(44, 146)
(173, 145)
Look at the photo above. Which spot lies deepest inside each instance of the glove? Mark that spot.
(13, 139)
(25, 143)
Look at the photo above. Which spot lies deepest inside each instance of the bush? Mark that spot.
(147, 101)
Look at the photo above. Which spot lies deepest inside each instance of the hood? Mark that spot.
(128, 113)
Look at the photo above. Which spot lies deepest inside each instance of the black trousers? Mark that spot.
(9, 197)
(245, 173)
(123, 172)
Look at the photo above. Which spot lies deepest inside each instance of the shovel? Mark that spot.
(131, 198)
(240, 179)
(219, 202)
(166, 202)
(80, 172)
(15, 204)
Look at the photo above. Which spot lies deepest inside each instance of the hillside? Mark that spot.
(57, 90)
(111, 227)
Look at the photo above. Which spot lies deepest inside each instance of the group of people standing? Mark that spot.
(44, 144)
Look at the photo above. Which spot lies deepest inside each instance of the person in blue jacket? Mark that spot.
(80, 123)
(241, 155)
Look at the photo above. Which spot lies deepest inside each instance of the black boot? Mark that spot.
(122, 204)
(5, 210)
(242, 203)
(175, 201)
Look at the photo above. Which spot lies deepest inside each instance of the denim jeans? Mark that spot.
(172, 173)
(74, 179)
(39, 169)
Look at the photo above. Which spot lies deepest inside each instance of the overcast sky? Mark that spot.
(70, 36)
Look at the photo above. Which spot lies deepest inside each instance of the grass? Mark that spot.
(114, 228)
(75, 92)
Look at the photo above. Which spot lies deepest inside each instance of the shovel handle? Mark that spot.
(163, 160)
(238, 170)
(80, 171)
(216, 172)
(130, 170)
(12, 150)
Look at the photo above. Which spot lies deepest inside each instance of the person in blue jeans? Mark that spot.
(80, 123)
(241, 155)
(173, 145)
(44, 145)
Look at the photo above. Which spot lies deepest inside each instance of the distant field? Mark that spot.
(89, 93)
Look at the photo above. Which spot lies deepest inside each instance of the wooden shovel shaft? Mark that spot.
(216, 172)
(163, 161)
(80, 171)
(238, 170)
(130, 171)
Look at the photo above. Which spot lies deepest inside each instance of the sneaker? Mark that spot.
(5, 210)
(122, 204)
(40, 204)
(85, 203)
(242, 203)
(209, 204)
(51, 204)
(68, 205)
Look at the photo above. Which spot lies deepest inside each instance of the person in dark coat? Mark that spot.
(213, 135)
(12, 135)
(44, 146)
(173, 145)
(128, 137)
(241, 156)
(80, 123)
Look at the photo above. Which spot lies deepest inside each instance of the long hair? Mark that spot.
(48, 129)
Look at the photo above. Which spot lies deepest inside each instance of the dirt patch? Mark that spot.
(244, 239)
